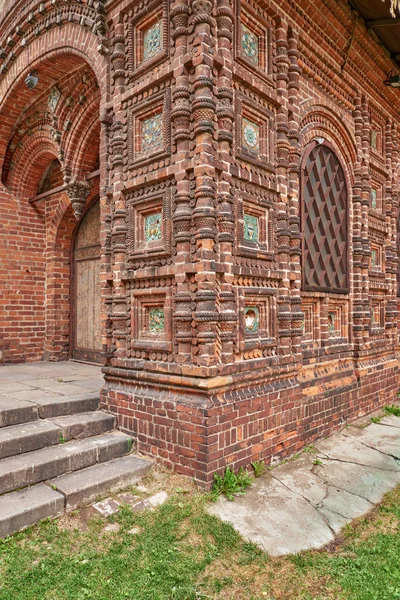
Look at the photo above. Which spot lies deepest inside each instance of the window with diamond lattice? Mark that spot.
(324, 221)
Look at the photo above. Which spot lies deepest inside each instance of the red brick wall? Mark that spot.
(22, 280)
(269, 422)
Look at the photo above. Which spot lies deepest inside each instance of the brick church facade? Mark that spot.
(203, 195)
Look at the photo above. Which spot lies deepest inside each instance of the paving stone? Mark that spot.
(56, 406)
(21, 509)
(47, 463)
(350, 449)
(112, 528)
(275, 518)
(83, 425)
(135, 530)
(298, 474)
(380, 437)
(334, 520)
(87, 484)
(391, 420)
(156, 500)
(13, 412)
(26, 437)
(107, 507)
(10, 387)
(301, 505)
(367, 482)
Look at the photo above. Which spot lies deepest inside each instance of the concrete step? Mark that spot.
(67, 405)
(21, 509)
(13, 412)
(88, 484)
(33, 467)
(26, 437)
(83, 425)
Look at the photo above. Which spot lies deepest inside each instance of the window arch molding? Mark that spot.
(325, 209)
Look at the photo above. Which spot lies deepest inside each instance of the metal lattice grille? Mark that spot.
(324, 212)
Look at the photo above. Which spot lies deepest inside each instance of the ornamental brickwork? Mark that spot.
(246, 159)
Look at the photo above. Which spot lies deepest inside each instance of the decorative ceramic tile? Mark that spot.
(152, 40)
(251, 136)
(373, 198)
(251, 229)
(374, 258)
(331, 322)
(152, 134)
(376, 316)
(250, 44)
(252, 319)
(374, 139)
(152, 227)
(156, 320)
(54, 97)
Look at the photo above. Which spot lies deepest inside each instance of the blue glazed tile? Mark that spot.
(374, 203)
(252, 319)
(251, 136)
(251, 228)
(156, 320)
(331, 322)
(152, 41)
(152, 134)
(250, 44)
(152, 227)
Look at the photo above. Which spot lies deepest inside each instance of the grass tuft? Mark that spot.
(230, 483)
(393, 410)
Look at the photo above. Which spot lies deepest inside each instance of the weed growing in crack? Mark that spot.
(376, 419)
(393, 410)
(258, 467)
(230, 484)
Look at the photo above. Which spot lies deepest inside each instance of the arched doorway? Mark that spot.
(86, 334)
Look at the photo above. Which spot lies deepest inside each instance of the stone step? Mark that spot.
(67, 405)
(83, 425)
(21, 509)
(33, 467)
(88, 484)
(14, 412)
(26, 437)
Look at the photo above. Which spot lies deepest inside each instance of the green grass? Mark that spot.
(393, 410)
(180, 552)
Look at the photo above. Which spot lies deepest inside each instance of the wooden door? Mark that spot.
(86, 300)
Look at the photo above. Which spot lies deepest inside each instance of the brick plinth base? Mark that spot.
(199, 435)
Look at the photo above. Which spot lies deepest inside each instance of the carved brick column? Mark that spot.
(203, 109)
(391, 209)
(228, 310)
(180, 118)
(294, 73)
(365, 204)
(358, 235)
(118, 312)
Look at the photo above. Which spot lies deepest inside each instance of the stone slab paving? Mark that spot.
(48, 380)
(304, 503)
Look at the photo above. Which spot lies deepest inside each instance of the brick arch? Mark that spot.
(30, 163)
(83, 141)
(60, 53)
(320, 121)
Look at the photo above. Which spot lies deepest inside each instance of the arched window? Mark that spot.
(324, 201)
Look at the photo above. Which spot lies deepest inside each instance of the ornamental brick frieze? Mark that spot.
(38, 18)
(147, 130)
